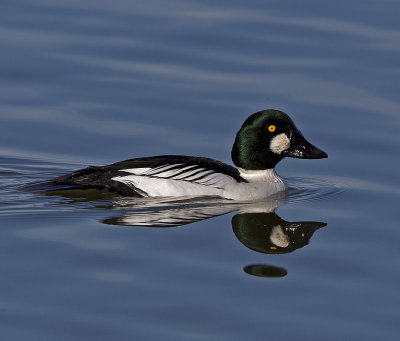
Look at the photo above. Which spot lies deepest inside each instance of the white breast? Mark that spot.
(261, 184)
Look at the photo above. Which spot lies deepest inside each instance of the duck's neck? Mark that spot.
(260, 175)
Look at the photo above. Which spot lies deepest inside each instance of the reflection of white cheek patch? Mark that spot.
(279, 143)
(278, 237)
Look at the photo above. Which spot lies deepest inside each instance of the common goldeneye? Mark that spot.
(264, 139)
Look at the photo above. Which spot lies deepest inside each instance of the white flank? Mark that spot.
(159, 187)
(279, 143)
(180, 180)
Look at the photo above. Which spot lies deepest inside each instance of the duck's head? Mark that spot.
(268, 136)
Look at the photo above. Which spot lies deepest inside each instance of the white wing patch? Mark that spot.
(176, 179)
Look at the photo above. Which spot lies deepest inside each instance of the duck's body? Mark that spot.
(173, 175)
(264, 139)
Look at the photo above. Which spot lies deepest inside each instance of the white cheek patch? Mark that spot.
(279, 143)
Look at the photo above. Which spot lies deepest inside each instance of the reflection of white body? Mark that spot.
(182, 182)
(185, 211)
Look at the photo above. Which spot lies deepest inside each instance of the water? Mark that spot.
(97, 82)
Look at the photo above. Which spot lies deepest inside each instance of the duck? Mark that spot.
(264, 139)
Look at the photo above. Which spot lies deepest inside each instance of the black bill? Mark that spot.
(302, 149)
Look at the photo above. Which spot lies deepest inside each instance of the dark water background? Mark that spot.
(94, 82)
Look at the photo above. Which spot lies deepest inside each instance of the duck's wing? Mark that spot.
(159, 175)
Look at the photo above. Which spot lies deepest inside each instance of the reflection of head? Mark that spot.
(268, 233)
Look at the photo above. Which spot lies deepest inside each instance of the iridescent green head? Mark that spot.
(268, 136)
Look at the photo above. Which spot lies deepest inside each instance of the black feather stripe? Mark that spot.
(188, 170)
(186, 178)
(158, 161)
(173, 176)
(202, 176)
(163, 169)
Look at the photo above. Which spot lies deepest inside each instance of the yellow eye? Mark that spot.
(272, 128)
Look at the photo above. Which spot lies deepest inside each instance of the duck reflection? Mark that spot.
(255, 224)
(268, 233)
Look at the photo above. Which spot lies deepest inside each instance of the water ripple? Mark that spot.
(309, 189)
